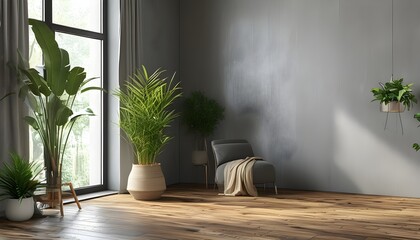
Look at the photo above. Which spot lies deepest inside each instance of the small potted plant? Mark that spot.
(201, 115)
(144, 115)
(394, 96)
(18, 182)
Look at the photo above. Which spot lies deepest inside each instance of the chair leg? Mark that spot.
(60, 200)
(275, 187)
(74, 195)
(206, 170)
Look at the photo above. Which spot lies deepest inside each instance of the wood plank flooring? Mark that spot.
(192, 212)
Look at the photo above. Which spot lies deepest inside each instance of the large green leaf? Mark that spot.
(75, 79)
(92, 88)
(32, 122)
(86, 112)
(52, 55)
(86, 81)
(416, 146)
(37, 84)
(33, 103)
(400, 94)
(63, 115)
(31, 83)
(28, 98)
(60, 83)
(89, 88)
(23, 92)
(58, 112)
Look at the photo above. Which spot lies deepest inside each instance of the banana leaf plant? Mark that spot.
(50, 95)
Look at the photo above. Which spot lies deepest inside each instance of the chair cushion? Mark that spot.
(262, 171)
(231, 151)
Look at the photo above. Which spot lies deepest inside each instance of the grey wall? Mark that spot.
(295, 79)
(160, 48)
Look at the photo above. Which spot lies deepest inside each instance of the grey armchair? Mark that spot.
(227, 150)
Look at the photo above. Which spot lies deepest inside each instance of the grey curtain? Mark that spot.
(131, 42)
(131, 52)
(13, 35)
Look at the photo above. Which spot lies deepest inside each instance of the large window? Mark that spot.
(78, 27)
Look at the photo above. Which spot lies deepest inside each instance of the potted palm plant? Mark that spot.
(18, 181)
(144, 115)
(394, 96)
(201, 115)
(50, 96)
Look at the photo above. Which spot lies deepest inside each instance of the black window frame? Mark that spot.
(48, 19)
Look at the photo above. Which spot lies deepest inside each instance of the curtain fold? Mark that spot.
(131, 42)
(130, 59)
(14, 133)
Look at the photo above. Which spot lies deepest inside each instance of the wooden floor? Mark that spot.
(187, 212)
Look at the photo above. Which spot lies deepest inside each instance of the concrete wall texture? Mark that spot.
(295, 76)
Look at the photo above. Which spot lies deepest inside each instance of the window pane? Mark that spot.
(35, 53)
(84, 14)
(35, 9)
(82, 163)
(35, 142)
(35, 61)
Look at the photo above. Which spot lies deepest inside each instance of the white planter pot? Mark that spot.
(17, 210)
(199, 157)
(392, 107)
(146, 182)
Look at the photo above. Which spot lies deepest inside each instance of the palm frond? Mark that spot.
(144, 112)
(18, 179)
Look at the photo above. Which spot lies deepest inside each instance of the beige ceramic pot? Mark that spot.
(392, 107)
(146, 182)
(19, 210)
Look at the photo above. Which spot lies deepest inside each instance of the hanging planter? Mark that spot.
(394, 91)
(394, 98)
(392, 107)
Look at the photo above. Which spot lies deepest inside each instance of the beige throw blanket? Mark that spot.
(238, 177)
